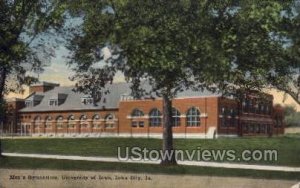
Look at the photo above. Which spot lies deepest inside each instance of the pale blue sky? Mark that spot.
(58, 71)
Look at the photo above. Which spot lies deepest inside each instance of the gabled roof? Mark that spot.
(110, 100)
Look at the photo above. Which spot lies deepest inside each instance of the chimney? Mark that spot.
(42, 87)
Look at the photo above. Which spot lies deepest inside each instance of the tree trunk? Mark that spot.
(167, 133)
(2, 82)
(2, 86)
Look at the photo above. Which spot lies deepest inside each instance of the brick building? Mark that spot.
(51, 110)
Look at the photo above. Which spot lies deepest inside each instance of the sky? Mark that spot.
(59, 72)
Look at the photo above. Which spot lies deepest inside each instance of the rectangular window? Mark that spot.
(59, 126)
(109, 125)
(134, 124)
(28, 103)
(141, 124)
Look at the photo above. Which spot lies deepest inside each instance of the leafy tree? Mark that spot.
(25, 30)
(291, 116)
(286, 77)
(217, 45)
(289, 110)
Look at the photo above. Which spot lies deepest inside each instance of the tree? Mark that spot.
(283, 60)
(176, 45)
(148, 42)
(2, 111)
(289, 110)
(25, 30)
(291, 116)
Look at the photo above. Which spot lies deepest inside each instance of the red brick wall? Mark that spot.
(278, 112)
(229, 104)
(40, 88)
(207, 106)
(29, 119)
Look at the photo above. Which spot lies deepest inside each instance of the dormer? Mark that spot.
(57, 99)
(29, 103)
(87, 99)
(33, 100)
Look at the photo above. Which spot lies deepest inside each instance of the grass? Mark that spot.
(28, 163)
(287, 146)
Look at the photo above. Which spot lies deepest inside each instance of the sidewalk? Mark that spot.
(145, 161)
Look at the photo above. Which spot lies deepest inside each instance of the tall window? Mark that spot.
(136, 121)
(278, 122)
(245, 128)
(71, 122)
(59, 122)
(223, 117)
(263, 129)
(37, 122)
(48, 122)
(83, 121)
(259, 108)
(243, 105)
(233, 114)
(155, 118)
(109, 121)
(176, 117)
(96, 121)
(252, 107)
(264, 108)
(248, 105)
(193, 117)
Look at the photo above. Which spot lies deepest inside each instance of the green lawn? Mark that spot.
(288, 147)
(28, 163)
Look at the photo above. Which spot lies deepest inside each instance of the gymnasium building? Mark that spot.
(54, 111)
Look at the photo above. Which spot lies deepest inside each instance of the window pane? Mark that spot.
(193, 117)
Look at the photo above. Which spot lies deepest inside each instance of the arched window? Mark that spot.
(175, 117)
(137, 113)
(155, 118)
(71, 122)
(59, 122)
(193, 117)
(96, 121)
(48, 122)
(136, 121)
(109, 121)
(83, 121)
(37, 122)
